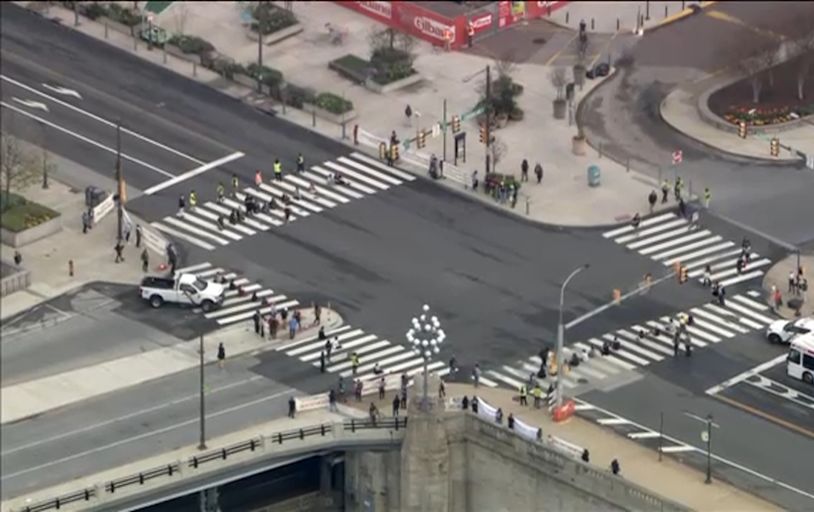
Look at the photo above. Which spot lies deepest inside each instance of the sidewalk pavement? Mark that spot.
(564, 196)
(92, 253)
(38, 396)
(680, 110)
(309, 418)
(778, 276)
(611, 17)
(640, 465)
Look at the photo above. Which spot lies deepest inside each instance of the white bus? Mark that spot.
(800, 363)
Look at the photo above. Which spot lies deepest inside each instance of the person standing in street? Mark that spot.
(182, 205)
(382, 385)
(193, 200)
(258, 178)
(300, 163)
(792, 282)
(634, 222)
(722, 295)
(138, 236)
(408, 113)
(707, 275)
(292, 407)
(524, 170)
(221, 355)
(396, 406)
(278, 170)
(707, 197)
(256, 318)
(651, 200)
(145, 260)
(119, 248)
(322, 362)
(332, 400)
(665, 191)
(476, 374)
(523, 400)
(538, 172)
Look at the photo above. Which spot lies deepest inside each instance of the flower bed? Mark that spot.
(268, 18)
(333, 103)
(21, 214)
(191, 44)
(766, 116)
(351, 67)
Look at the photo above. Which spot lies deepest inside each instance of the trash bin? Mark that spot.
(593, 176)
(94, 196)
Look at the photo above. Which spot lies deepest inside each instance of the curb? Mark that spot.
(680, 15)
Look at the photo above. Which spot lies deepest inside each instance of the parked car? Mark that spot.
(783, 331)
(601, 69)
(183, 289)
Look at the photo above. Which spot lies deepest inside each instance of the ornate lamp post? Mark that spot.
(426, 336)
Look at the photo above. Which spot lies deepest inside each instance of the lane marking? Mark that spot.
(100, 119)
(183, 236)
(144, 435)
(194, 172)
(768, 417)
(31, 103)
(126, 416)
(745, 375)
(63, 90)
(84, 139)
(644, 223)
(788, 393)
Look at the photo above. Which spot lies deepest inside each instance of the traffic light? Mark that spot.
(394, 152)
(683, 275)
(617, 295)
(456, 124)
(382, 151)
(742, 129)
(774, 146)
(421, 139)
(483, 134)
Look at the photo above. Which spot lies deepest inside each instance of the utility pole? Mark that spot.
(445, 130)
(45, 158)
(488, 115)
(119, 180)
(706, 436)
(202, 443)
(259, 58)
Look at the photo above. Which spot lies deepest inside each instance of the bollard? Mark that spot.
(527, 205)
(314, 117)
(617, 24)
(70, 268)
(135, 44)
(105, 30)
(355, 134)
(566, 17)
(592, 23)
(165, 54)
(665, 11)
(343, 130)
(599, 149)
(194, 69)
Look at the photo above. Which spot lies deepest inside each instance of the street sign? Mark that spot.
(472, 113)
(436, 130)
(678, 156)
(704, 436)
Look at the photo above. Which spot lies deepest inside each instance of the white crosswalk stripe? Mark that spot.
(306, 193)
(643, 344)
(669, 239)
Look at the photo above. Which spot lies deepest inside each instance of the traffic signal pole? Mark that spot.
(487, 142)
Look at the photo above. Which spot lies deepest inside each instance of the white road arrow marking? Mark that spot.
(63, 90)
(31, 104)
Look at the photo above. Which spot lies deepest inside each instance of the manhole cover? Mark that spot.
(538, 40)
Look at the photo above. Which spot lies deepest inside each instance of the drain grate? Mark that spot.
(539, 40)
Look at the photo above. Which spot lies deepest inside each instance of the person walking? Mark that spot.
(777, 299)
(354, 358)
(499, 416)
(193, 200)
(475, 180)
(651, 200)
(538, 172)
(278, 170)
(300, 164)
(292, 327)
(292, 407)
(138, 236)
(220, 192)
(679, 186)
(682, 208)
(476, 374)
(442, 390)
(182, 205)
(256, 318)
(586, 456)
(332, 400)
(510, 421)
(707, 275)
(258, 178)
(119, 248)
(721, 295)
(318, 316)
(274, 324)
(665, 191)
(538, 396)
(396, 406)
(145, 260)
(221, 355)
(707, 197)
(792, 282)
(408, 113)
(322, 362)
(523, 400)
(382, 387)
(524, 170)
(614, 466)
(85, 222)
(635, 221)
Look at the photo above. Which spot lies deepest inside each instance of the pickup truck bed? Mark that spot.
(158, 282)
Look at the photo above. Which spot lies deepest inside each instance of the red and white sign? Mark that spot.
(678, 156)
(482, 22)
(381, 9)
(432, 28)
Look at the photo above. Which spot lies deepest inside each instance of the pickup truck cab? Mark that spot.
(183, 289)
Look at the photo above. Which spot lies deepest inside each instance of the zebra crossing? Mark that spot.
(310, 192)
(712, 324)
(668, 238)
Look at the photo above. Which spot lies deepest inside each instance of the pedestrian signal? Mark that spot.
(483, 134)
(742, 129)
(394, 152)
(456, 124)
(617, 295)
(421, 139)
(774, 146)
(683, 275)
(382, 151)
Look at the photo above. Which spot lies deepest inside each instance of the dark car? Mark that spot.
(601, 69)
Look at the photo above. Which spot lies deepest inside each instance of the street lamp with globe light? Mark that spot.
(425, 336)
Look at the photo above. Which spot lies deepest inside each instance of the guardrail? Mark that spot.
(196, 462)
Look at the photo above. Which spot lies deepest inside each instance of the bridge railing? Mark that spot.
(196, 462)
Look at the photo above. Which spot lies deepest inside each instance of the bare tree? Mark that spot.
(768, 57)
(180, 16)
(803, 47)
(751, 65)
(499, 151)
(16, 169)
(559, 79)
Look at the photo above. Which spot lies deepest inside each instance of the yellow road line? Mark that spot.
(722, 16)
(607, 45)
(679, 15)
(767, 416)
(554, 57)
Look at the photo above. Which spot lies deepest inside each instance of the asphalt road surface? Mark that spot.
(623, 116)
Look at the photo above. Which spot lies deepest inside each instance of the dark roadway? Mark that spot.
(493, 279)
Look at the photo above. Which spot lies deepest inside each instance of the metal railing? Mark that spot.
(196, 461)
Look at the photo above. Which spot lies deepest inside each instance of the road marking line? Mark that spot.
(63, 90)
(508, 380)
(392, 170)
(192, 229)
(647, 232)
(84, 139)
(674, 242)
(183, 236)
(644, 223)
(643, 435)
(297, 343)
(346, 189)
(716, 323)
(792, 395)
(742, 277)
(145, 435)
(31, 103)
(766, 416)
(361, 181)
(304, 349)
(750, 313)
(194, 172)
(751, 303)
(100, 119)
(677, 449)
(745, 375)
(687, 258)
(612, 421)
(565, 47)
(194, 268)
(324, 191)
(264, 311)
(367, 170)
(642, 241)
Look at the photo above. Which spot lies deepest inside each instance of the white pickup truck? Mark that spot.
(183, 289)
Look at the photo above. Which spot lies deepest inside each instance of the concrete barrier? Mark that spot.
(30, 235)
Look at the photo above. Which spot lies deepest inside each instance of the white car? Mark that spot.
(782, 331)
(183, 289)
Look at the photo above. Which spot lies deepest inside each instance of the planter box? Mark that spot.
(17, 279)
(28, 236)
(176, 52)
(393, 86)
(330, 116)
(276, 37)
(246, 80)
(118, 27)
